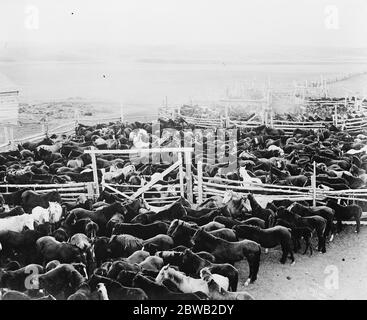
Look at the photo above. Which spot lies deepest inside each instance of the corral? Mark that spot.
(197, 191)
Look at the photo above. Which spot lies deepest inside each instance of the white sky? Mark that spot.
(251, 22)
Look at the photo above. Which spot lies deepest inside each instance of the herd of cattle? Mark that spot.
(110, 248)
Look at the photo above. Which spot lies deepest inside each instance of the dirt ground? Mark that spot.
(309, 277)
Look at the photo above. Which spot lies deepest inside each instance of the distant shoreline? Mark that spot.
(192, 62)
(270, 62)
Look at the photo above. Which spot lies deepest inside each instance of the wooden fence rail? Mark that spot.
(66, 190)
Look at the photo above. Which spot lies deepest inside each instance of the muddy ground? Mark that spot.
(310, 278)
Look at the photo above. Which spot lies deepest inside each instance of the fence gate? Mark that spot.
(143, 189)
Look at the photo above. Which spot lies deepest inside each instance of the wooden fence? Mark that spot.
(205, 122)
(207, 187)
(350, 125)
(281, 191)
(66, 128)
(68, 191)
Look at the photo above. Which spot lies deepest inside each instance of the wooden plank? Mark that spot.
(273, 197)
(188, 177)
(106, 185)
(204, 120)
(258, 184)
(162, 201)
(95, 174)
(347, 198)
(356, 120)
(345, 191)
(301, 122)
(181, 173)
(54, 185)
(71, 195)
(250, 187)
(200, 181)
(308, 126)
(61, 190)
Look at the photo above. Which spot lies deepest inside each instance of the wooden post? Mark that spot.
(6, 135)
(226, 116)
(90, 190)
(76, 118)
(294, 91)
(103, 170)
(336, 114)
(314, 185)
(326, 90)
(44, 125)
(271, 118)
(265, 115)
(188, 176)
(200, 182)
(322, 86)
(121, 112)
(95, 174)
(181, 173)
(270, 108)
(345, 102)
(11, 137)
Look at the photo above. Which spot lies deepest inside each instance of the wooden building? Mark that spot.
(9, 107)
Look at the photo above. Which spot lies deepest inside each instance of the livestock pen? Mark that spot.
(193, 185)
(204, 186)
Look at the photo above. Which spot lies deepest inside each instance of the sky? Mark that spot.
(340, 23)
